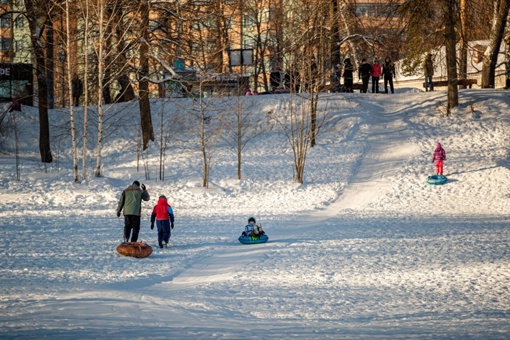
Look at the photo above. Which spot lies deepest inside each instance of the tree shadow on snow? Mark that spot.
(474, 170)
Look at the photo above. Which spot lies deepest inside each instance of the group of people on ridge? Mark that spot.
(365, 72)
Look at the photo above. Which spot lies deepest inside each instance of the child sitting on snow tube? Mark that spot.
(253, 229)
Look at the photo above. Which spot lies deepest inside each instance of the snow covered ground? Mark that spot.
(364, 249)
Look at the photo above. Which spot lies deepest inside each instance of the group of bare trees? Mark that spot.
(431, 24)
(120, 48)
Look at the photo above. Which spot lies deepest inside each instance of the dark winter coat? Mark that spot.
(364, 70)
(77, 87)
(131, 200)
(388, 69)
(428, 66)
(348, 69)
(439, 153)
(275, 78)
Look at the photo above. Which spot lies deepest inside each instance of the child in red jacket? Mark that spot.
(163, 214)
(438, 157)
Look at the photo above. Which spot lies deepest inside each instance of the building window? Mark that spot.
(5, 21)
(5, 44)
(365, 10)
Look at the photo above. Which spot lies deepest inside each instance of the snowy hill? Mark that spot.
(364, 248)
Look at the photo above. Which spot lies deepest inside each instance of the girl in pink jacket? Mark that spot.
(439, 156)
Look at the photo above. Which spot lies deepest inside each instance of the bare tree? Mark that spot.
(106, 16)
(207, 112)
(498, 24)
(38, 19)
(450, 21)
(240, 129)
(69, 84)
(294, 119)
(85, 10)
(143, 85)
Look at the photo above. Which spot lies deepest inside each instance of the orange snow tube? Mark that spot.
(134, 249)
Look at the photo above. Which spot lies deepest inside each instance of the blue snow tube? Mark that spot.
(436, 179)
(253, 239)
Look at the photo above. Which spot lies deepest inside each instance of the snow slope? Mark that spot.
(364, 249)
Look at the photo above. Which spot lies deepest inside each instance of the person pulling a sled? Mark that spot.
(163, 215)
(253, 228)
(439, 157)
(131, 202)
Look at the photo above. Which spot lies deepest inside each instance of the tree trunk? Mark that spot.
(34, 16)
(86, 96)
(451, 54)
(490, 58)
(50, 65)
(463, 44)
(101, 58)
(335, 32)
(70, 86)
(145, 107)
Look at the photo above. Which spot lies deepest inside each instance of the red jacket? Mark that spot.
(376, 70)
(162, 211)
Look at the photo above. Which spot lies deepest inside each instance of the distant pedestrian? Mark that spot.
(275, 78)
(428, 72)
(375, 72)
(131, 202)
(16, 103)
(77, 89)
(348, 75)
(163, 215)
(388, 73)
(439, 157)
(364, 74)
(336, 76)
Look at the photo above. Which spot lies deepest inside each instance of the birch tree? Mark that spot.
(70, 86)
(240, 129)
(85, 10)
(106, 14)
